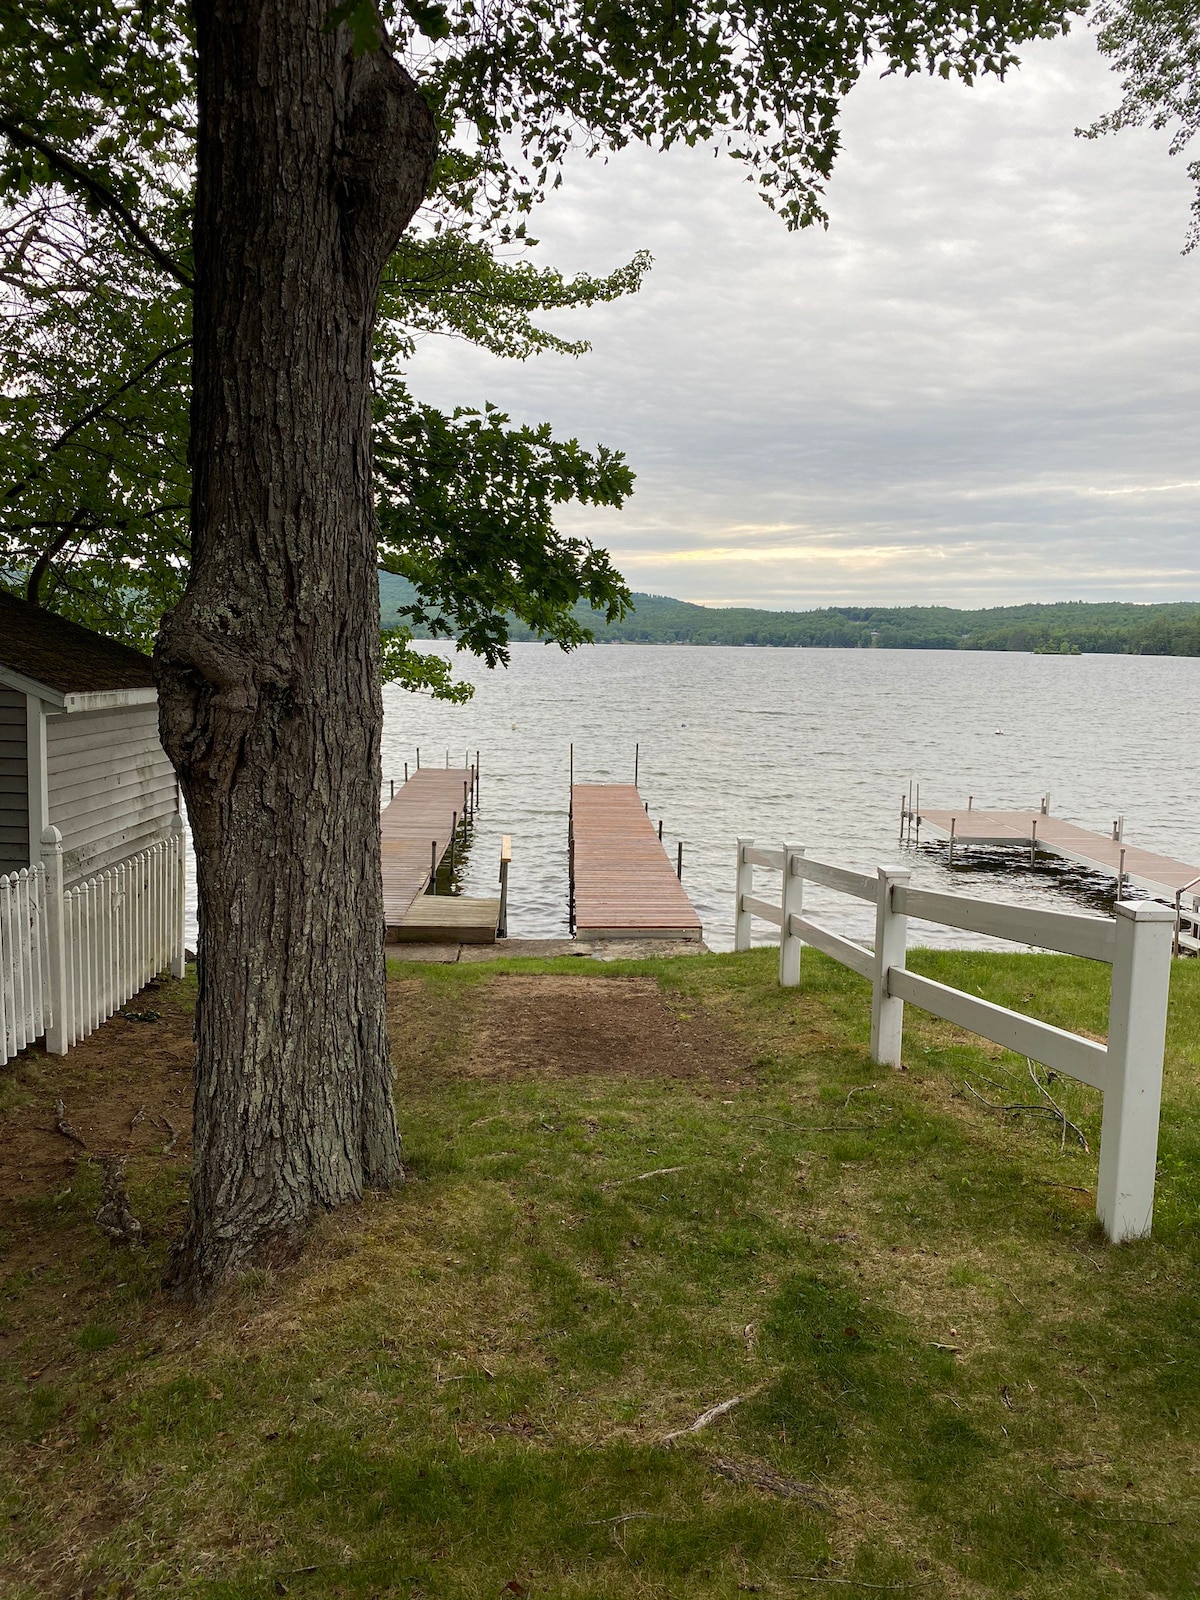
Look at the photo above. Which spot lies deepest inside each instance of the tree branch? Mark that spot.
(33, 589)
(67, 167)
(96, 410)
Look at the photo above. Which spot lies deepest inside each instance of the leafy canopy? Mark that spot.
(95, 354)
(96, 163)
(1155, 46)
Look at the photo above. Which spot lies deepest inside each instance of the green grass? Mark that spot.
(463, 1389)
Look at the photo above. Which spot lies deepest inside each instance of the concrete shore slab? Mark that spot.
(548, 949)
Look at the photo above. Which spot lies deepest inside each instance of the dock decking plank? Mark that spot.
(625, 886)
(421, 813)
(1157, 874)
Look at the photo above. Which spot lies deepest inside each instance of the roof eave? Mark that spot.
(107, 699)
(17, 680)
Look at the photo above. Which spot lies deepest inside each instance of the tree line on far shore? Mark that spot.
(1109, 627)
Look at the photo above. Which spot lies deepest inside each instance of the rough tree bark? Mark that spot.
(312, 162)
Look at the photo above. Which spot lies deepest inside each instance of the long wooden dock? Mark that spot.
(624, 885)
(415, 832)
(1160, 876)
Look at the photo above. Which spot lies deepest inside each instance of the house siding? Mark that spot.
(111, 788)
(14, 782)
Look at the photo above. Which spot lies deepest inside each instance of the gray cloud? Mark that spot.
(981, 385)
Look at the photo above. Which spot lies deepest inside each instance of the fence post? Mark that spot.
(891, 938)
(179, 897)
(55, 995)
(1137, 1028)
(745, 886)
(792, 905)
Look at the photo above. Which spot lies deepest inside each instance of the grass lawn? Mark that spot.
(638, 1190)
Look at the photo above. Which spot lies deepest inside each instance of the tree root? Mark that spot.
(115, 1216)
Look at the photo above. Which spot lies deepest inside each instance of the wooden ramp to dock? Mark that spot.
(624, 885)
(447, 919)
(415, 831)
(1160, 876)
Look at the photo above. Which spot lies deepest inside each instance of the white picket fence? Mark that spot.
(70, 958)
(1136, 943)
(22, 960)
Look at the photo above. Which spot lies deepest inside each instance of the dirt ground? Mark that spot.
(558, 1025)
(127, 1089)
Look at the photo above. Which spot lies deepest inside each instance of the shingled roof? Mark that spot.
(62, 655)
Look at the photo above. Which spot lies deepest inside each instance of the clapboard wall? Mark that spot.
(111, 789)
(14, 782)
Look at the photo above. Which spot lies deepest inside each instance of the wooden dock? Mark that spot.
(415, 833)
(624, 886)
(447, 919)
(1160, 876)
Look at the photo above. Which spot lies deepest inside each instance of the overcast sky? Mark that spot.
(980, 386)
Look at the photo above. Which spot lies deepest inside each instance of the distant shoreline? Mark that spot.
(1073, 627)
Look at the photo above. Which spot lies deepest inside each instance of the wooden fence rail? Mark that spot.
(70, 958)
(1136, 943)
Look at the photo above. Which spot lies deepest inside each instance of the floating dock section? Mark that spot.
(1161, 877)
(623, 886)
(416, 830)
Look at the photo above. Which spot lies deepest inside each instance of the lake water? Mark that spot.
(815, 747)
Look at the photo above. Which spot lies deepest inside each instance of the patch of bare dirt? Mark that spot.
(125, 1091)
(575, 1025)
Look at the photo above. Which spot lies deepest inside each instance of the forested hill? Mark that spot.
(1113, 627)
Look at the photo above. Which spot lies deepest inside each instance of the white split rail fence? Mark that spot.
(1136, 944)
(70, 958)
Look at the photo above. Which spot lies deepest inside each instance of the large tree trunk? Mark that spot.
(311, 164)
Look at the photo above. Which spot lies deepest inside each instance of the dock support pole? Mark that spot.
(679, 862)
(660, 830)
(477, 780)
(1137, 1027)
(432, 867)
(571, 839)
(792, 900)
(505, 859)
(418, 758)
(1033, 845)
(453, 837)
(636, 752)
(745, 886)
(891, 940)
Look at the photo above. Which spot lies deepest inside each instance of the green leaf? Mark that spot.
(432, 20)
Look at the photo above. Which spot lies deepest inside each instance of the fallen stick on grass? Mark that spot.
(713, 1414)
(658, 1172)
